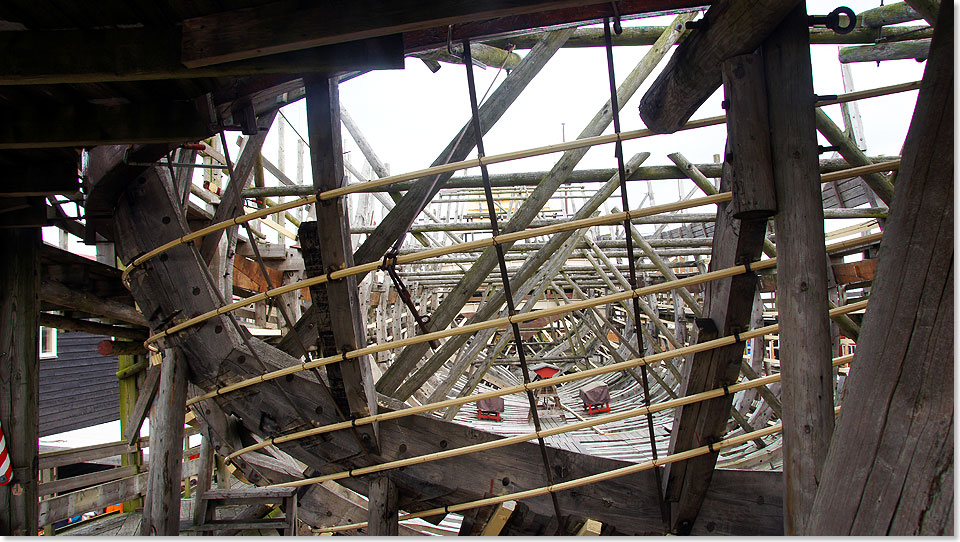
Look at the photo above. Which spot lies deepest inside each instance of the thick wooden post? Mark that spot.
(19, 378)
(890, 466)
(350, 380)
(383, 510)
(128, 402)
(166, 449)
(801, 277)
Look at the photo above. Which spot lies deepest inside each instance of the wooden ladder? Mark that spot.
(286, 497)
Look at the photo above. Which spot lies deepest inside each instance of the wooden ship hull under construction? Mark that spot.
(540, 287)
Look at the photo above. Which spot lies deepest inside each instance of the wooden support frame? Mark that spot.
(889, 470)
(351, 378)
(727, 303)
(19, 379)
(807, 390)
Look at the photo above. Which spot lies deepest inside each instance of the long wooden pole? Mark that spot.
(19, 379)
(522, 317)
(554, 381)
(801, 278)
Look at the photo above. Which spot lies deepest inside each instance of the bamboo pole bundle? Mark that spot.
(521, 317)
(566, 428)
(554, 381)
(439, 251)
(477, 162)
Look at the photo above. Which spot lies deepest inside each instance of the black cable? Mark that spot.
(505, 277)
(618, 151)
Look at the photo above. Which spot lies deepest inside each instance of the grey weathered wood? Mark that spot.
(19, 379)
(231, 200)
(900, 50)
(204, 480)
(278, 27)
(727, 304)
(334, 251)
(453, 302)
(147, 392)
(59, 294)
(735, 27)
(166, 448)
(95, 328)
(801, 267)
(69, 484)
(383, 511)
(529, 269)
(215, 353)
(927, 9)
(153, 52)
(890, 469)
(748, 137)
(78, 502)
(849, 150)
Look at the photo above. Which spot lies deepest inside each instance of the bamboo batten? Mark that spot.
(554, 381)
(522, 317)
(571, 484)
(444, 251)
(476, 162)
(567, 428)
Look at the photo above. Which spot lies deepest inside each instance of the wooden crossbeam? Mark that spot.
(150, 53)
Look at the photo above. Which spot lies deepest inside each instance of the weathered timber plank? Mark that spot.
(286, 26)
(217, 354)
(335, 251)
(383, 511)
(734, 27)
(454, 301)
(231, 200)
(19, 379)
(801, 271)
(889, 470)
(149, 53)
(61, 295)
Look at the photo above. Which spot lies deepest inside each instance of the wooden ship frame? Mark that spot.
(337, 378)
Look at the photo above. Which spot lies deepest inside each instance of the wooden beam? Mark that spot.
(334, 251)
(63, 296)
(96, 328)
(853, 155)
(590, 528)
(128, 400)
(148, 390)
(286, 26)
(900, 50)
(161, 514)
(890, 468)
(151, 53)
(86, 125)
(39, 178)
(801, 271)
(383, 511)
(499, 518)
(733, 27)
(19, 379)
(453, 302)
(231, 202)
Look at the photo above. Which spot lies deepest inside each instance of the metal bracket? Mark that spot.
(832, 20)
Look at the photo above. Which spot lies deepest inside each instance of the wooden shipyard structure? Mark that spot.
(454, 351)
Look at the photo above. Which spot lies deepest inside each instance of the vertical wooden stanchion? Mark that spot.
(383, 510)
(166, 448)
(128, 400)
(19, 378)
(807, 394)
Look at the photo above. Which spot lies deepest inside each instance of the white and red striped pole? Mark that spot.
(6, 467)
